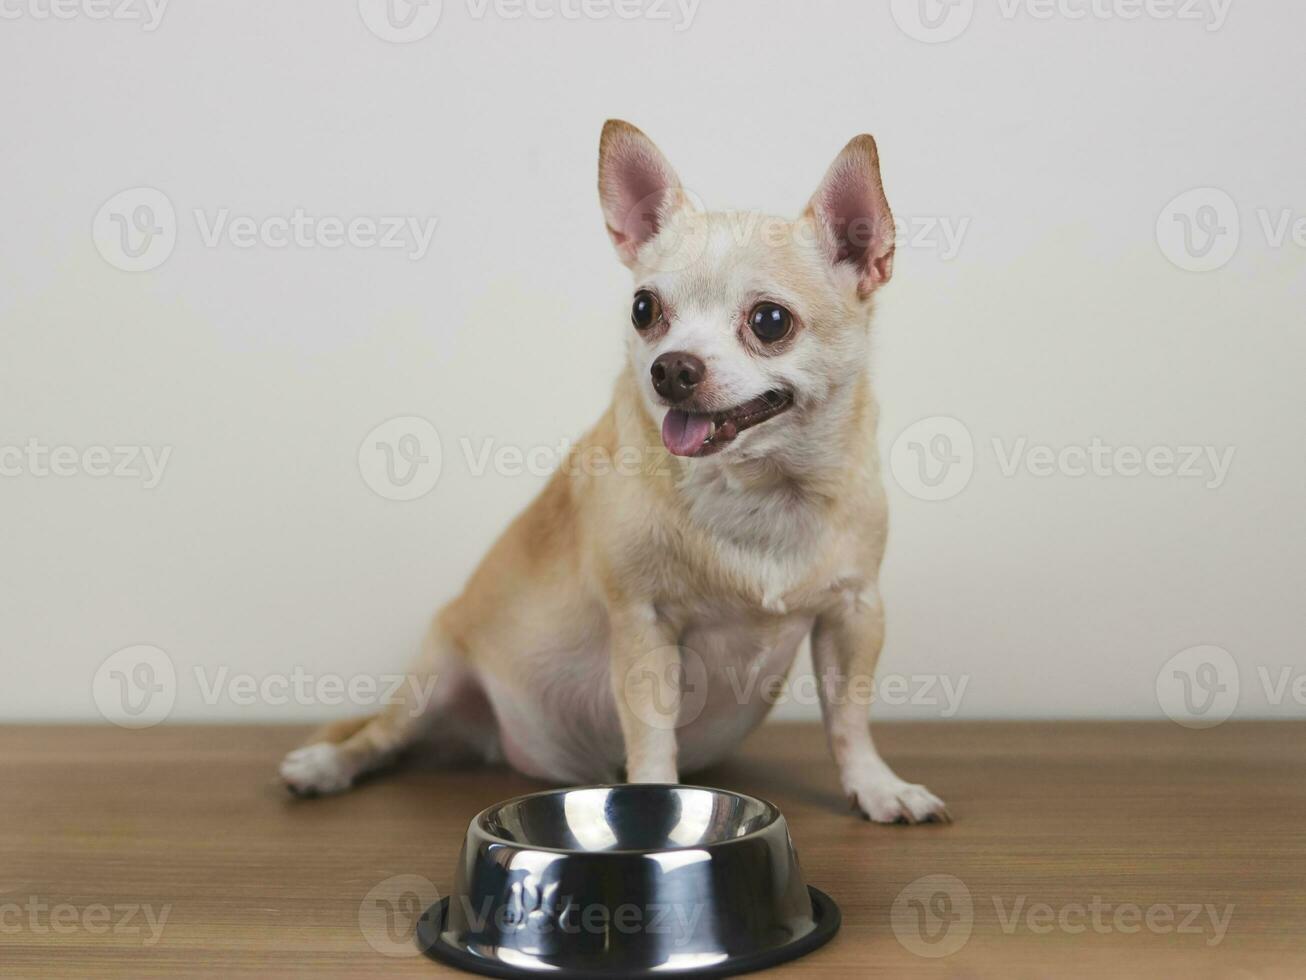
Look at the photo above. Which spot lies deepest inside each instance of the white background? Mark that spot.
(1058, 142)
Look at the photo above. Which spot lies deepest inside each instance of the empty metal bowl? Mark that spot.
(620, 881)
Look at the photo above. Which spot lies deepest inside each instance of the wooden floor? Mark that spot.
(1112, 850)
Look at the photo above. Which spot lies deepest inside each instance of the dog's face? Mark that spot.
(743, 326)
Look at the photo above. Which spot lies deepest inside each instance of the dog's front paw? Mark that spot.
(315, 770)
(894, 801)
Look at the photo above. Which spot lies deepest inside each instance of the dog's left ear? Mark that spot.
(852, 215)
(637, 188)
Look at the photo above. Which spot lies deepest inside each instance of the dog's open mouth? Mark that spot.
(703, 433)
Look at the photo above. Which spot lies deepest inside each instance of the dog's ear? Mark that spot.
(854, 224)
(637, 188)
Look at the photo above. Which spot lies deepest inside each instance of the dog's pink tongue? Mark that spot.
(683, 432)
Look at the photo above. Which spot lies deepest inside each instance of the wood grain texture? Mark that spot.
(1071, 816)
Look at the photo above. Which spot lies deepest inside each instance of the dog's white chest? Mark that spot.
(561, 723)
(733, 670)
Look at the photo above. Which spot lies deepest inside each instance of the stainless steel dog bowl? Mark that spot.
(631, 880)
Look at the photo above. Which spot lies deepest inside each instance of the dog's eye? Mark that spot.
(646, 311)
(770, 322)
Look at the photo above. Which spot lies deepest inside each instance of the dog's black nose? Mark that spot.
(677, 375)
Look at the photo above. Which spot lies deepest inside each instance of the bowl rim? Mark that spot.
(774, 816)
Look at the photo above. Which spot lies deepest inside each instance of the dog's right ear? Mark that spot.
(638, 190)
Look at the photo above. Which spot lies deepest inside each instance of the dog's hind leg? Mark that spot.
(440, 701)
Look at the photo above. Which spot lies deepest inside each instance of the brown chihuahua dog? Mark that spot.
(762, 523)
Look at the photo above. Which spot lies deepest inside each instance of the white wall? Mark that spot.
(1052, 145)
